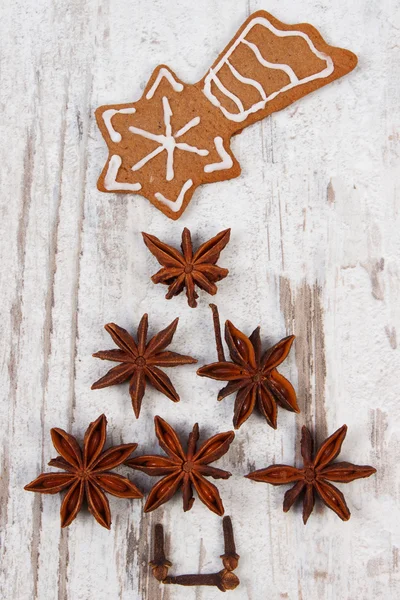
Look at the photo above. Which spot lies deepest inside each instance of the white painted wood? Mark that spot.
(314, 251)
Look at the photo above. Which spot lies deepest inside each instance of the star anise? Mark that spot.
(140, 361)
(252, 374)
(315, 475)
(184, 469)
(187, 269)
(87, 473)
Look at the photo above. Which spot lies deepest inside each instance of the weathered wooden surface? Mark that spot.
(314, 251)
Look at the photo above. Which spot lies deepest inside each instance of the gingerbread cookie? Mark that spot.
(177, 136)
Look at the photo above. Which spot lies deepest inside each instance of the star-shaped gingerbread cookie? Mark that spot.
(165, 145)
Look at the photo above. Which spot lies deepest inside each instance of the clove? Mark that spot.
(230, 558)
(159, 564)
(224, 580)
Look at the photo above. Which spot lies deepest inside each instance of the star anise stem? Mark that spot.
(217, 331)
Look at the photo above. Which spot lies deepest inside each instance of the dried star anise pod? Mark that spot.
(315, 475)
(187, 269)
(252, 374)
(184, 469)
(140, 361)
(87, 473)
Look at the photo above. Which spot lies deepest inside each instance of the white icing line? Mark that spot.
(169, 146)
(188, 148)
(163, 72)
(176, 205)
(147, 134)
(169, 142)
(167, 116)
(108, 115)
(265, 63)
(193, 123)
(225, 91)
(144, 160)
(226, 160)
(247, 80)
(243, 114)
(110, 180)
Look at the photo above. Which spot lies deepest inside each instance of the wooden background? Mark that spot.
(314, 251)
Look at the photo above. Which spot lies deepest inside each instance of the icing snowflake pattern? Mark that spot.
(167, 141)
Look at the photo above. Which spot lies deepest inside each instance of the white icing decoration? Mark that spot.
(163, 72)
(225, 91)
(247, 80)
(108, 115)
(294, 80)
(177, 205)
(226, 160)
(193, 123)
(144, 160)
(110, 180)
(168, 141)
(266, 63)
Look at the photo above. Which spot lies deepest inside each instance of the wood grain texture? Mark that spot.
(314, 251)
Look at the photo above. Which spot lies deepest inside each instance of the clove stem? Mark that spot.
(217, 331)
(223, 580)
(198, 579)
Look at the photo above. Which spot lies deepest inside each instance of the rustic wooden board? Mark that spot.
(314, 251)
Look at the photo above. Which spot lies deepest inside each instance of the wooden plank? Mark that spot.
(314, 251)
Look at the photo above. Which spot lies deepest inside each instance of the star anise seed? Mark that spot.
(140, 361)
(188, 269)
(184, 470)
(87, 473)
(252, 374)
(315, 475)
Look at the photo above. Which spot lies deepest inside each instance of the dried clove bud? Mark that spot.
(230, 558)
(159, 564)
